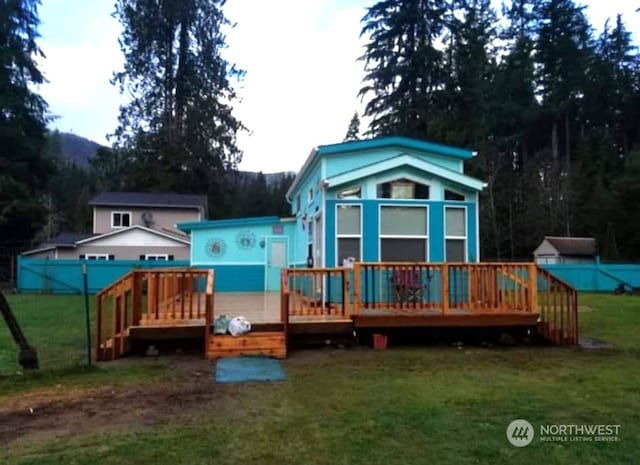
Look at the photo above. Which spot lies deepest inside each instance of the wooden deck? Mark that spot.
(164, 304)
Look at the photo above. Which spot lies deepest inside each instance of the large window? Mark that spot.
(456, 234)
(120, 219)
(349, 232)
(403, 234)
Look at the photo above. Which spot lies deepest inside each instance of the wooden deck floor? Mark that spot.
(264, 308)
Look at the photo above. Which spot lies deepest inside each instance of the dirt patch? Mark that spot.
(50, 414)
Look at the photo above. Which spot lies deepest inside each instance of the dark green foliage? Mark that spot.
(403, 65)
(178, 132)
(553, 112)
(23, 119)
(353, 131)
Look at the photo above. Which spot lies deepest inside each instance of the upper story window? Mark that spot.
(310, 196)
(120, 219)
(455, 196)
(402, 189)
(350, 193)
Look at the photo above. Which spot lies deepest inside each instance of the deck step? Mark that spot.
(269, 343)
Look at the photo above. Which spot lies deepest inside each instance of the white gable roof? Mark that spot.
(405, 160)
(135, 236)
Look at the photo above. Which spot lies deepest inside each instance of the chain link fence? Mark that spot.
(54, 325)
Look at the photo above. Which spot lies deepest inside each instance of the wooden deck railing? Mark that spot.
(474, 287)
(558, 306)
(318, 291)
(445, 288)
(173, 294)
(158, 297)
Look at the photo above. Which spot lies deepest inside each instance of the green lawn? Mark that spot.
(404, 405)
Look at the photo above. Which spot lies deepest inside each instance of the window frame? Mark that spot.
(464, 239)
(97, 256)
(155, 256)
(382, 236)
(121, 213)
(408, 179)
(339, 236)
(310, 196)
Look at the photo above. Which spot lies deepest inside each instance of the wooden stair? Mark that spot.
(267, 343)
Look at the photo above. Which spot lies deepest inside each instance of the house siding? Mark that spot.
(341, 162)
(370, 228)
(163, 218)
(179, 251)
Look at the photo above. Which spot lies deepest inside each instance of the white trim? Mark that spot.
(265, 263)
(135, 226)
(156, 256)
(465, 238)
(348, 236)
(406, 160)
(95, 219)
(396, 236)
(121, 213)
(96, 256)
(455, 191)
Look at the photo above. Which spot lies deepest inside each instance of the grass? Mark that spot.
(404, 405)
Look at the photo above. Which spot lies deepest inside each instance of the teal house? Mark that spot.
(389, 199)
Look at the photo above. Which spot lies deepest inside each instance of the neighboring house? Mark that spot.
(116, 210)
(554, 250)
(388, 199)
(130, 226)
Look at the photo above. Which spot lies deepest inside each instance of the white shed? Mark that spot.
(555, 249)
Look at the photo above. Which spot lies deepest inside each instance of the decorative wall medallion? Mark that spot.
(215, 247)
(246, 240)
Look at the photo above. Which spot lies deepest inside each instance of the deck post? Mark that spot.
(357, 304)
(345, 293)
(533, 288)
(136, 299)
(444, 281)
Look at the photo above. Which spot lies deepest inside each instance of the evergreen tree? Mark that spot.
(23, 119)
(403, 65)
(178, 131)
(563, 53)
(353, 131)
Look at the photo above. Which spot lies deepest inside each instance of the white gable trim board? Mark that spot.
(134, 237)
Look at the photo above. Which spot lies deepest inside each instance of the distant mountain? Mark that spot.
(270, 178)
(80, 150)
(77, 149)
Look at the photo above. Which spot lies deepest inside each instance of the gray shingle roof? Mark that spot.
(574, 246)
(150, 199)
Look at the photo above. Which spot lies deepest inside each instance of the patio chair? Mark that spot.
(408, 286)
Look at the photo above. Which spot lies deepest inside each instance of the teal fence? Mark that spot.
(41, 275)
(597, 277)
(65, 276)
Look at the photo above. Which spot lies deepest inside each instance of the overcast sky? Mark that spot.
(302, 77)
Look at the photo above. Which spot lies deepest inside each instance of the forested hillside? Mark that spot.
(550, 102)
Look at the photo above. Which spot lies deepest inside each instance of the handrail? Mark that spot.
(558, 306)
(319, 291)
(171, 296)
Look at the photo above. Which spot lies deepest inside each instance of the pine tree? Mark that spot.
(563, 53)
(178, 132)
(403, 65)
(23, 119)
(353, 131)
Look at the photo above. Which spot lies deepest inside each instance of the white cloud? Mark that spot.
(302, 77)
